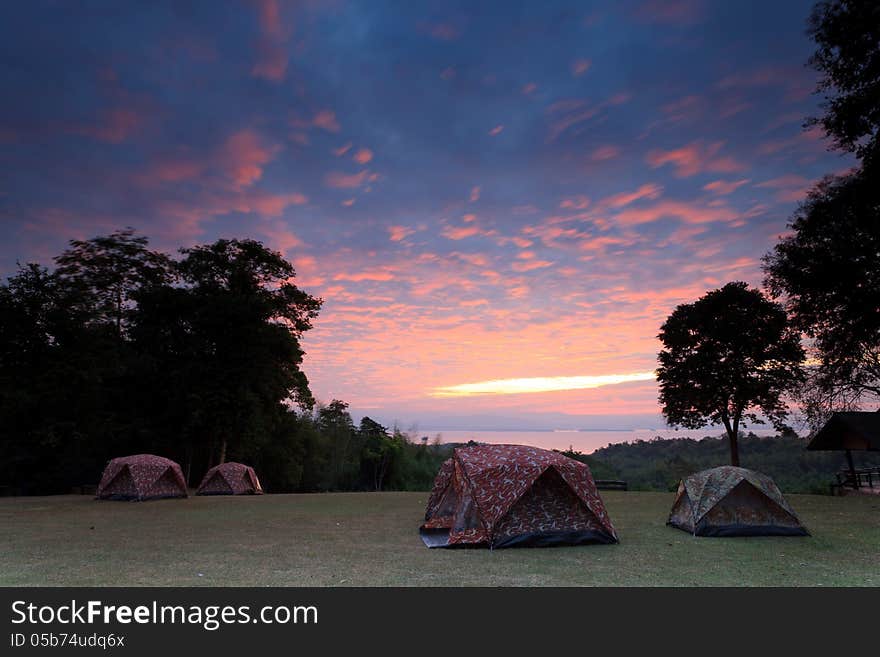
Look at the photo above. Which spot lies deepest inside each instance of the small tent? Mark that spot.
(230, 479)
(141, 477)
(731, 501)
(513, 495)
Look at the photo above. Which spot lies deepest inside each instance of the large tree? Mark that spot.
(110, 270)
(847, 36)
(828, 272)
(242, 318)
(726, 357)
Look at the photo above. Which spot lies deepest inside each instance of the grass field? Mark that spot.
(370, 539)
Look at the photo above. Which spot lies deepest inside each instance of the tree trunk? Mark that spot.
(732, 432)
(223, 450)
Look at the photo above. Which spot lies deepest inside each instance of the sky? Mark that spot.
(499, 202)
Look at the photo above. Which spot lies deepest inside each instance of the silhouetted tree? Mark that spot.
(379, 451)
(246, 317)
(847, 36)
(110, 271)
(828, 272)
(828, 269)
(729, 352)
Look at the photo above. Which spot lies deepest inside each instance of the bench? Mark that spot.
(610, 484)
(860, 478)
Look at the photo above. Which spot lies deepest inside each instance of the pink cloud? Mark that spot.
(475, 194)
(362, 156)
(530, 265)
(244, 156)
(366, 275)
(442, 31)
(724, 187)
(605, 153)
(647, 191)
(695, 158)
(676, 12)
(460, 232)
(790, 188)
(398, 233)
(580, 66)
(326, 119)
(339, 180)
(685, 212)
(496, 130)
(529, 88)
(281, 237)
(272, 56)
(115, 126)
(342, 150)
(575, 203)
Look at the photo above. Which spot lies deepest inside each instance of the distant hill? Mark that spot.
(659, 464)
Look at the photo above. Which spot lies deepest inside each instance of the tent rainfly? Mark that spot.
(141, 477)
(230, 479)
(730, 501)
(513, 495)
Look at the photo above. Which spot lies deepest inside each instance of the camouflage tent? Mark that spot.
(230, 479)
(141, 477)
(730, 501)
(513, 495)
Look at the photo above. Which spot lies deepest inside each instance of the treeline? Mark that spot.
(120, 349)
(659, 464)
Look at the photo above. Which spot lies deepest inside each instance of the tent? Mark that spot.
(230, 479)
(731, 501)
(513, 495)
(141, 477)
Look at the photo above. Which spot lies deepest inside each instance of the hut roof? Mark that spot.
(859, 430)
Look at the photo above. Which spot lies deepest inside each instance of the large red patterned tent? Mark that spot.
(230, 478)
(511, 495)
(141, 477)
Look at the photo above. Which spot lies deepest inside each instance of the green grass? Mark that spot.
(371, 539)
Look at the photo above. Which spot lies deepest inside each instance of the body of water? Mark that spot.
(581, 441)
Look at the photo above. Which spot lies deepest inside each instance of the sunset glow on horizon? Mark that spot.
(539, 384)
(491, 203)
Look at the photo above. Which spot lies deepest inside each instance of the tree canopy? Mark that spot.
(828, 272)
(726, 358)
(847, 36)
